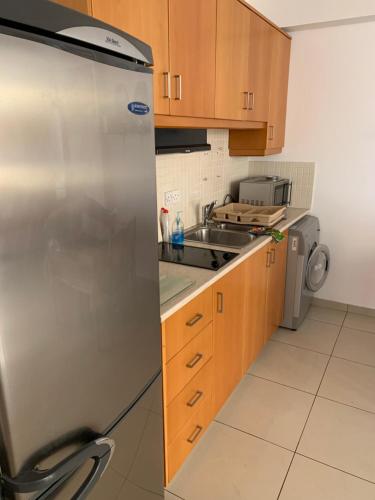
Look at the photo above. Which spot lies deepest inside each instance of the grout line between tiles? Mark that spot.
(336, 468)
(340, 325)
(316, 395)
(174, 494)
(353, 361)
(345, 404)
(279, 383)
(253, 435)
(359, 329)
(300, 347)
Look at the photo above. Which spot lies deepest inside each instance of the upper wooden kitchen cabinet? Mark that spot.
(192, 42)
(270, 139)
(232, 60)
(228, 321)
(80, 5)
(148, 21)
(259, 76)
(278, 91)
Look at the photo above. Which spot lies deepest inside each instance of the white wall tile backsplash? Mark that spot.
(300, 173)
(209, 175)
(201, 177)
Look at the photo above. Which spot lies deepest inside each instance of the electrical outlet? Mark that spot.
(172, 197)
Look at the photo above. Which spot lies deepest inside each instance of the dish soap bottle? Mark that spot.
(178, 230)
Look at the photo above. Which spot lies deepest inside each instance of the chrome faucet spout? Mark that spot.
(207, 212)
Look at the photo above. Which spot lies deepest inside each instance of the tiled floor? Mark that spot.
(301, 424)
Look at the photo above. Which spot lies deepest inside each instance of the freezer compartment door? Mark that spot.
(79, 288)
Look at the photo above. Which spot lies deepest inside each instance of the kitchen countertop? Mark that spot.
(204, 278)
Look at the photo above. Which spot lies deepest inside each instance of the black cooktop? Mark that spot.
(205, 258)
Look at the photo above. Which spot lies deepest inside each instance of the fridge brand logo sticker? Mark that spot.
(112, 41)
(138, 108)
(294, 244)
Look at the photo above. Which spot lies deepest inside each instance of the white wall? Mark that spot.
(331, 120)
(297, 12)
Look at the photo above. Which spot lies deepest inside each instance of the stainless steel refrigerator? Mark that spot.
(80, 351)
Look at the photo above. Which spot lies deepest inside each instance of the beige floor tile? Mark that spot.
(356, 345)
(327, 315)
(133, 492)
(268, 410)
(290, 366)
(314, 335)
(342, 437)
(350, 383)
(309, 480)
(360, 322)
(228, 464)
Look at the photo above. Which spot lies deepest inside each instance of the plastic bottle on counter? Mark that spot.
(178, 236)
(164, 224)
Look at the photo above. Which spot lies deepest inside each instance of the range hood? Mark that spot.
(180, 140)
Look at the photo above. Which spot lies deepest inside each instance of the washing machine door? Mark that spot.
(317, 268)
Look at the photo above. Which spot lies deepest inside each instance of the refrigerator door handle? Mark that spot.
(99, 450)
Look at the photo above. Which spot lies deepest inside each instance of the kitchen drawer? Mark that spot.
(187, 363)
(190, 400)
(188, 437)
(187, 322)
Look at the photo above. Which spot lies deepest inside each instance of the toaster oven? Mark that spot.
(265, 190)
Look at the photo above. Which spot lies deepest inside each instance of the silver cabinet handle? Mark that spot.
(268, 262)
(194, 320)
(273, 255)
(167, 85)
(272, 132)
(251, 101)
(220, 302)
(198, 429)
(194, 400)
(178, 87)
(246, 100)
(195, 360)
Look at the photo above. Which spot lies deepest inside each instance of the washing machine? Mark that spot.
(307, 269)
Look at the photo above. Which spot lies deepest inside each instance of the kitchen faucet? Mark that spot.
(207, 212)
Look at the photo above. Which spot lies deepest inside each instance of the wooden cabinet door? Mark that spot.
(232, 60)
(276, 263)
(80, 5)
(229, 299)
(192, 42)
(278, 90)
(148, 21)
(256, 281)
(259, 68)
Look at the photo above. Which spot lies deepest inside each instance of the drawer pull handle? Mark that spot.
(220, 302)
(198, 429)
(195, 360)
(194, 320)
(268, 263)
(273, 255)
(194, 400)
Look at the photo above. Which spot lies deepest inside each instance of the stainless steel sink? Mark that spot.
(216, 235)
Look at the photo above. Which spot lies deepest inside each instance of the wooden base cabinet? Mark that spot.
(209, 344)
(256, 278)
(276, 265)
(228, 316)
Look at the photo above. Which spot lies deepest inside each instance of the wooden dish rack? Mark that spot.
(242, 213)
